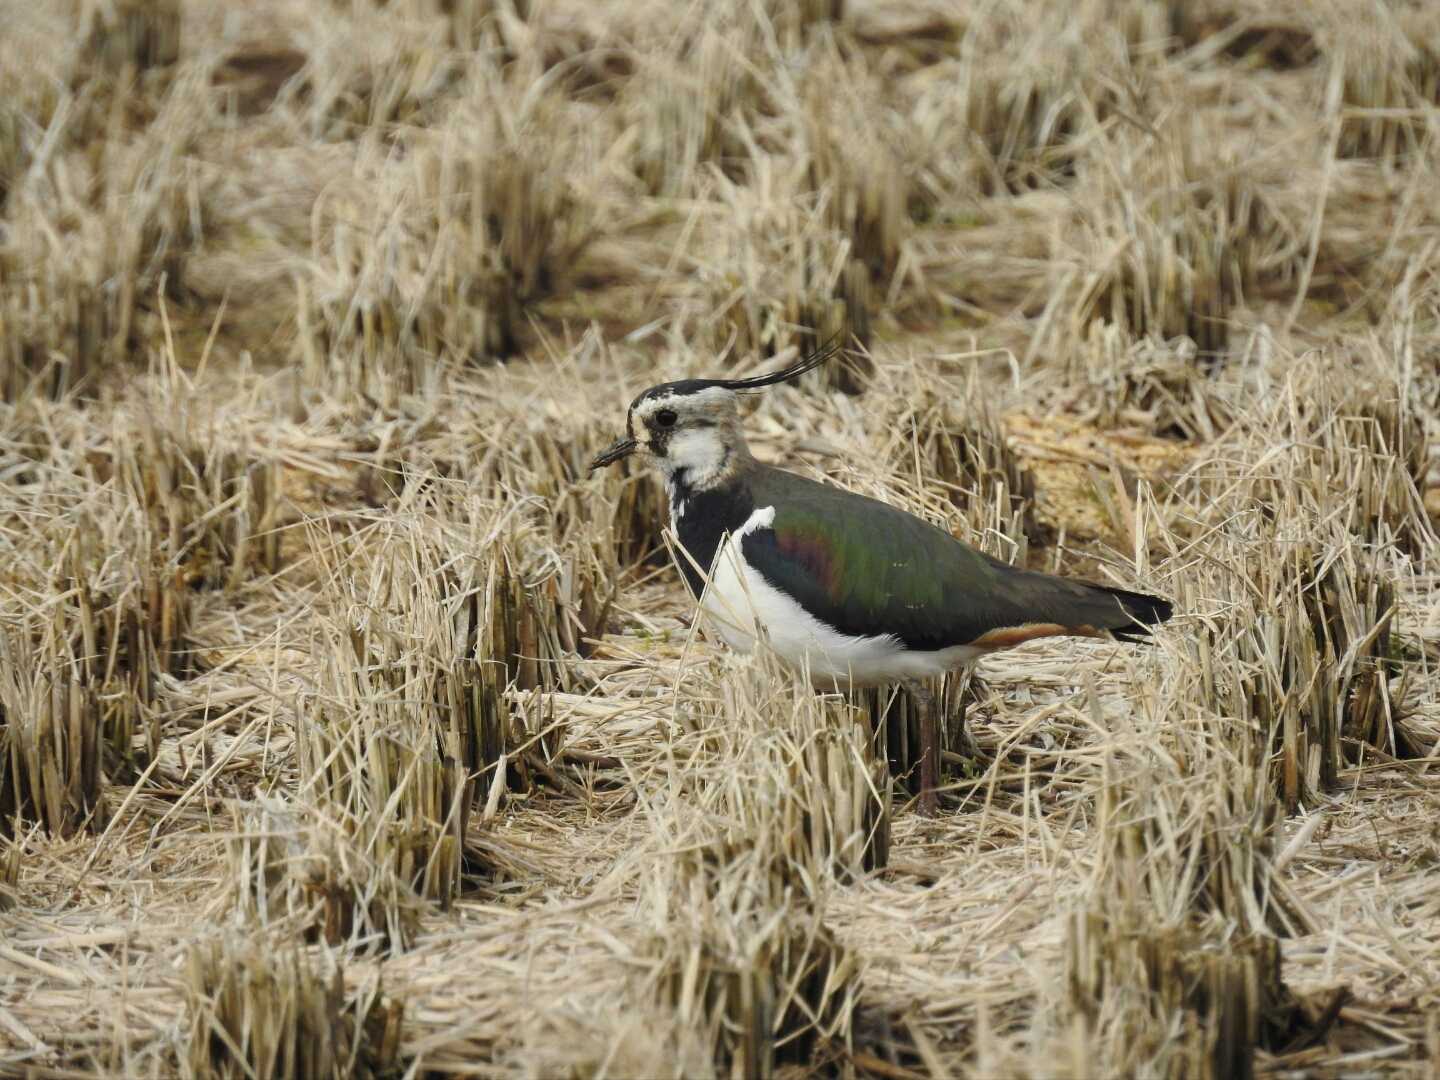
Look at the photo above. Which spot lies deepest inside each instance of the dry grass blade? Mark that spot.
(10, 852)
(130, 36)
(1159, 386)
(1275, 36)
(1174, 1004)
(475, 227)
(692, 105)
(1388, 69)
(125, 213)
(786, 278)
(762, 979)
(409, 715)
(774, 805)
(954, 444)
(1190, 823)
(381, 68)
(852, 164)
(894, 718)
(50, 738)
(213, 502)
(1179, 932)
(1309, 512)
(259, 1013)
(1189, 235)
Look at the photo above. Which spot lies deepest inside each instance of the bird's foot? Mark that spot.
(964, 767)
(968, 753)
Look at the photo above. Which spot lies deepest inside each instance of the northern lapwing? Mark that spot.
(853, 590)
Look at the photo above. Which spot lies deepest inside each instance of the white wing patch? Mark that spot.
(743, 606)
(763, 518)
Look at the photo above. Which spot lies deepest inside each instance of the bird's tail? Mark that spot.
(1142, 610)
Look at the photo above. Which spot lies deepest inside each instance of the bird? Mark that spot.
(849, 589)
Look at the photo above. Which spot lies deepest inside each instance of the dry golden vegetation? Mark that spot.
(349, 728)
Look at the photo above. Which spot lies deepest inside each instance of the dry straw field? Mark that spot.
(348, 727)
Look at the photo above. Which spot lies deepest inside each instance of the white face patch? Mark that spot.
(696, 451)
(701, 452)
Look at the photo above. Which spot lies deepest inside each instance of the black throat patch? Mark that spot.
(701, 519)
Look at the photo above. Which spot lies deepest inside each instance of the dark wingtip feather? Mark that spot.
(1146, 611)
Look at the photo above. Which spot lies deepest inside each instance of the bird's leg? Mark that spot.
(964, 744)
(929, 746)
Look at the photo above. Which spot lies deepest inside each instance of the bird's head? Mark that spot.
(691, 429)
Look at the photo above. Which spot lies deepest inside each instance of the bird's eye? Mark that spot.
(666, 418)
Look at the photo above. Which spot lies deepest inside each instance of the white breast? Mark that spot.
(742, 606)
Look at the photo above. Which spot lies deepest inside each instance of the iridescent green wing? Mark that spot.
(865, 568)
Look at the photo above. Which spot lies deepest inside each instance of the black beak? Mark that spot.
(623, 448)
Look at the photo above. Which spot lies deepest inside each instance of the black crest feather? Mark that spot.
(825, 352)
(806, 363)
